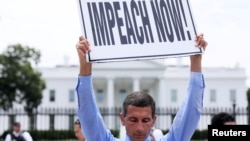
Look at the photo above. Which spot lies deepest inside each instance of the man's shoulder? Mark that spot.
(25, 133)
(5, 133)
(9, 134)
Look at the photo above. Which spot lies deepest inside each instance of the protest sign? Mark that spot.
(122, 30)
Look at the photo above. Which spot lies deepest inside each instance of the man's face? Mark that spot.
(229, 123)
(78, 132)
(138, 122)
(16, 128)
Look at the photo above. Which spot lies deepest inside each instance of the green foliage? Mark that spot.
(47, 134)
(19, 82)
(55, 135)
(115, 133)
(199, 135)
(248, 96)
(248, 101)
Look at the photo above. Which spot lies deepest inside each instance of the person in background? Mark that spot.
(78, 131)
(138, 109)
(223, 118)
(17, 134)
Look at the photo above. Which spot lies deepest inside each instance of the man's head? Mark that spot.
(78, 131)
(138, 115)
(16, 127)
(223, 118)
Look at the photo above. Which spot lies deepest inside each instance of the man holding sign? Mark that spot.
(138, 114)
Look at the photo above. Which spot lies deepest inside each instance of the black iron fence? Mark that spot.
(63, 119)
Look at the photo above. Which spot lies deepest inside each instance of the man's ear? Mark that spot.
(154, 118)
(122, 119)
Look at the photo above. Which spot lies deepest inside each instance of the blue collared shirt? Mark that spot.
(183, 126)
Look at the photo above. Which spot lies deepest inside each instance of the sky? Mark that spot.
(53, 27)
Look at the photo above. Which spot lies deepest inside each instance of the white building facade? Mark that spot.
(167, 84)
(113, 81)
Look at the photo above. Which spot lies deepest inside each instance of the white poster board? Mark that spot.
(122, 30)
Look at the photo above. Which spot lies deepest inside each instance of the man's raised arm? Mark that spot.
(89, 115)
(188, 115)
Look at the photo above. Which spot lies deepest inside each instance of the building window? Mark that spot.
(52, 95)
(146, 91)
(12, 119)
(99, 96)
(122, 95)
(32, 121)
(213, 95)
(52, 122)
(173, 95)
(172, 117)
(233, 96)
(71, 121)
(71, 95)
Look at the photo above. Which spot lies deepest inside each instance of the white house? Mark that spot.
(113, 81)
(166, 83)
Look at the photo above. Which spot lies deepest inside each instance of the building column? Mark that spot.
(136, 84)
(110, 92)
(162, 100)
(110, 102)
(162, 94)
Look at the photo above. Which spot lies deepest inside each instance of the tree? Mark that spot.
(248, 105)
(19, 82)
